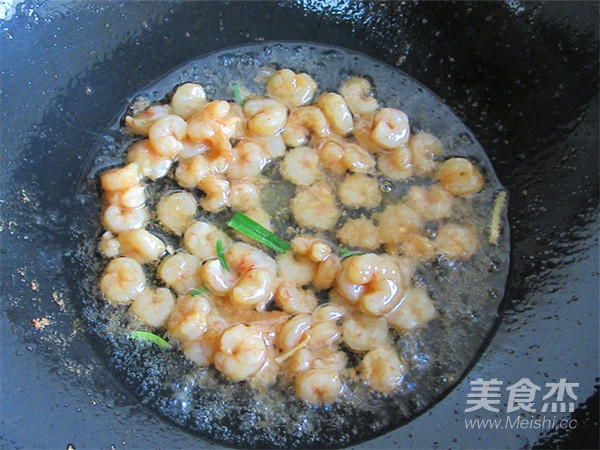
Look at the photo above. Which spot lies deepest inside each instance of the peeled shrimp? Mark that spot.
(217, 279)
(123, 280)
(188, 99)
(292, 300)
(359, 190)
(215, 126)
(140, 245)
(424, 150)
(301, 166)
(166, 135)
(390, 128)
(240, 353)
(299, 268)
(176, 211)
(255, 288)
(336, 111)
(244, 196)
(181, 271)
(315, 207)
(382, 370)
(267, 116)
(188, 320)
(153, 306)
(456, 242)
(416, 310)
(118, 219)
(331, 156)
(327, 271)
(460, 177)
(359, 233)
(290, 88)
(122, 186)
(396, 221)
(142, 121)
(361, 332)
(319, 386)
(396, 164)
(304, 122)
(191, 171)
(152, 165)
(200, 239)
(217, 193)
(249, 159)
(433, 203)
(357, 93)
(357, 159)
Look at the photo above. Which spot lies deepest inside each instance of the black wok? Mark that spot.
(522, 76)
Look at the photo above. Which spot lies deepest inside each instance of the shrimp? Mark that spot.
(460, 177)
(151, 164)
(293, 331)
(293, 300)
(216, 278)
(109, 245)
(396, 164)
(201, 350)
(319, 386)
(424, 150)
(191, 148)
(215, 126)
(176, 211)
(191, 171)
(359, 233)
(336, 111)
(397, 220)
(315, 207)
(267, 375)
(357, 159)
(331, 156)
(372, 281)
(357, 93)
(188, 99)
(166, 135)
(390, 128)
(181, 271)
(383, 370)
(122, 186)
(361, 332)
(415, 310)
(249, 159)
(244, 257)
(434, 203)
(456, 242)
(300, 268)
(123, 280)
(117, 219)
(188, 320)
(200, 239)
(142, 121)
(140, 245)
(327, 271)
(359, 190)
(153, 306)
(304, 122)
(290, 88)
(330, 312)
(217, 193)
(363, 128)
(241, 352)
(244, 196)
(274, 145)
(329, 359)
(415, 246)
(323, 334)
(255, 288)
(267, 116)
(301, 166)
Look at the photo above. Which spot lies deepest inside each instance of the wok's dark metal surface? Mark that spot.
(523, 76)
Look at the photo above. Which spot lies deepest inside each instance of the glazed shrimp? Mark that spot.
(153, 306)
(240, 353)
(188, 320)
(117, 219)
(359, 233)
(299, 268)
(244, 257)
(416, 310)
(166, 135)
(255, 288)
(214, 125)
(357, 159)
(266, 116)
(361, 332)
(191, 171)
(414, 246)
(460, 177)
(383, 370)
(274, 145)
(140, 245)
(456, 242)
(319, 386)
(303, 123)
(396, 164)
(249, 159)
(336, 111)
(176, 211)
(293, 300)
(327, 271)
(122, 186)
(109, 245)
(201, 351)
(151, 164)
(181, 271)
(331, 156)
(244, 196)
(290, 88)
(390, 128)
(141, 122)
(216, 278)
(433, 203)
(200, 239)
(359, 191)
(301, 166)
(188, 99)
(424, 150)
(217, 193)
(315, 207)
(357, 93)
(397, 220)
(293, 331)
(123, 280)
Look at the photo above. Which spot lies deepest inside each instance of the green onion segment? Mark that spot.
(256, 231)
(151, 337)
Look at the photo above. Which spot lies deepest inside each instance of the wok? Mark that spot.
(522, 76)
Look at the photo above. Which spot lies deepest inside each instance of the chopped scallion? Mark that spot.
(199, 291)
(237, 95)
(256, 231)
(151, 337)
(221, 255)
(346, 252)
(495, 223)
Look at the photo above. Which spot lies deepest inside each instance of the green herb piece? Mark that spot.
(221, 255)
(199, 291)
(151, 337)
(256, 231)
(346, 252)
(237, 95)
(495, 223)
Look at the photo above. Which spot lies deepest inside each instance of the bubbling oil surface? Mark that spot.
(467, 295)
